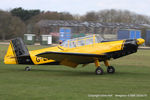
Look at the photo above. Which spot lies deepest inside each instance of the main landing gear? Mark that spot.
(110, 69)
(99, 70)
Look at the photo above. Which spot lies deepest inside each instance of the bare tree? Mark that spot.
(116, 16)
(90, 16)
(10, 26)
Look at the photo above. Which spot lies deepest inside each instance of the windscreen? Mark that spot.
(81, 41)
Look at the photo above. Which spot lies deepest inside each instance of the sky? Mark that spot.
(79, 6)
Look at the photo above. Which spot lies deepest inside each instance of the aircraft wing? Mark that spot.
(71, 59)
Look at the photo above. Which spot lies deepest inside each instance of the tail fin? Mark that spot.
(17, 53)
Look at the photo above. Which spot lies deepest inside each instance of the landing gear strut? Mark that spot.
(27, 68)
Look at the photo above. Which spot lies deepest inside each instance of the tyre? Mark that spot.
(99, 71)
(110, 69)
(27, 68)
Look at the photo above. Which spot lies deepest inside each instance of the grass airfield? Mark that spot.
(59, 82)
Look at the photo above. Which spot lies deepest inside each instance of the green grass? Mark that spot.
(63, 83)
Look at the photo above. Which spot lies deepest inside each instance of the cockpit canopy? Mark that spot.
(81, 41)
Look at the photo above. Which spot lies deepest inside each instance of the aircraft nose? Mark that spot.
(130, 45)
(140, 41)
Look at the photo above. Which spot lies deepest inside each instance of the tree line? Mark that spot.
(19, 21)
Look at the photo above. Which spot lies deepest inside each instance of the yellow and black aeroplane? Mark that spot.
(83, 50)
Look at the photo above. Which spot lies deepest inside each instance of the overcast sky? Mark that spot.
(79, 6)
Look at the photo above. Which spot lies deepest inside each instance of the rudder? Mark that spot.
(17, 53)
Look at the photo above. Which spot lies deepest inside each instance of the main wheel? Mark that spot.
(110, 69)
(27, 68)
(99, 71)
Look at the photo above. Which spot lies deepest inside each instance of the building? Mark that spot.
(53, 26)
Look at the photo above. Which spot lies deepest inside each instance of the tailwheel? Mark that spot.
(99, 71)
(110, 69)
(27, 68)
